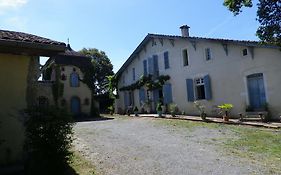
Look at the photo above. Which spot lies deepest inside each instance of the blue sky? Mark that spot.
(118, 26)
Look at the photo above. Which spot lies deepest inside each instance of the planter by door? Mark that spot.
(256, 91)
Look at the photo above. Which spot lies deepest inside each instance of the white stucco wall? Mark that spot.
(227, 73)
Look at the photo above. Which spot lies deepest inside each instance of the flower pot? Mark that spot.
(159, 113)
(203, 116)
(225, 118)
(136, 113)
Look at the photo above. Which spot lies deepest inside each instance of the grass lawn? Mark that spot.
(81, 166)
(258, 145)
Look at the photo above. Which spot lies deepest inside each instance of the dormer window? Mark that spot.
(245, 52)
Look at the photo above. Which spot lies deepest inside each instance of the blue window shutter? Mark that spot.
(141, 96)
(155, 63)
(145, 67)
(150, 66)
(166, 60)
(190, 90)
(167, 92)
(126, 99)
(208, 90)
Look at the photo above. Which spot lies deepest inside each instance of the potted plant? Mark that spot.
(225, 110)
(136, 111)
(148, 106)
(111, 110)
(201, 110)
(173, 109)
(159, 109)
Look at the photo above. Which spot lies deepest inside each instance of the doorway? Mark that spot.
(256, 91)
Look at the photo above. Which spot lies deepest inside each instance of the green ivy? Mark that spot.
(147, 82)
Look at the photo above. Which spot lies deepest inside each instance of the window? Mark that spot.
(134, 74)
(208, 54)
(62, 69)
(123, 79)
(185, 57)
(145, 67)
(63, 102)
(200, 88)
(74, 79)
(166, 60)
(245, 52)
(86, 101)
(63, 77)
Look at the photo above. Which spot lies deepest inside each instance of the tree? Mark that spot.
(268, 15)
(103, 68)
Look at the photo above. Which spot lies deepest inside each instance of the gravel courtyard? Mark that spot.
(138, 146)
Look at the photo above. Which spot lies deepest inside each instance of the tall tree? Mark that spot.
(103, 68)
(268, 15)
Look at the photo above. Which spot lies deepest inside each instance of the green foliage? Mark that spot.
(103, 68)
(173, 108)
(58, 87)
(148, 83)
(48, 140)
(236, 5)
(225, 108)
(199, 107)
(268, 15)
(159, 106)
(136, 109)
(47, 74)
(111, 85)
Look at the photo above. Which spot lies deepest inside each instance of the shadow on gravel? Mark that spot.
(88, 119)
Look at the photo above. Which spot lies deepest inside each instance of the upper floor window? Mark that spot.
(166, 60)
(145, 67)
(185, 57)
(245, 52)
(208, 54)
(74, 79)
(134, 74)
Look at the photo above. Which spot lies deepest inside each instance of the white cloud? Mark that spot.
(16, 23)
(11, 4)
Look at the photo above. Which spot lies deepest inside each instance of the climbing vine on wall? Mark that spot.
(148, 82)
(57, 88)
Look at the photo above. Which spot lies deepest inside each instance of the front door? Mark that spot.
(75, 106)
(256, 91)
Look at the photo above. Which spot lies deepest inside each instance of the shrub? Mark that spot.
(48, 140)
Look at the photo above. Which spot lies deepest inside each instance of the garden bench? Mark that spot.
(254, 116)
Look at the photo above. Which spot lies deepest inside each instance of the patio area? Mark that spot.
(272, 125)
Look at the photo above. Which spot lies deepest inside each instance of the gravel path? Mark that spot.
(138, 146)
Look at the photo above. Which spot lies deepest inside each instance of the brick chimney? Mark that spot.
(184, 31)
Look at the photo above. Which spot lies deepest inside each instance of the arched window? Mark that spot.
(74, 79)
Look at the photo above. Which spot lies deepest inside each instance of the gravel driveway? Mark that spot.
(133, 146)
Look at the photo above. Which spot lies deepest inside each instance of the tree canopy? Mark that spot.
(268, 15)
(103, 68)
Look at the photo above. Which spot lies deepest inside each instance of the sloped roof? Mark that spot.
(160, 36)
(71, 57)
(19, 42)
(6, 35)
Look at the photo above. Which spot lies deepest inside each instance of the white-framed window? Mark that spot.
(185, 57)
(208, 55)
(200, 88)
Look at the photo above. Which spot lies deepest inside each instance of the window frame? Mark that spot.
(199, 83)
(208, 54)
(70, 79)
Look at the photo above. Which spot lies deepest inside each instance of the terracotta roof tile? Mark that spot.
(6, 35)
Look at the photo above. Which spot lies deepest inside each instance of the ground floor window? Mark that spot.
(200, 89)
